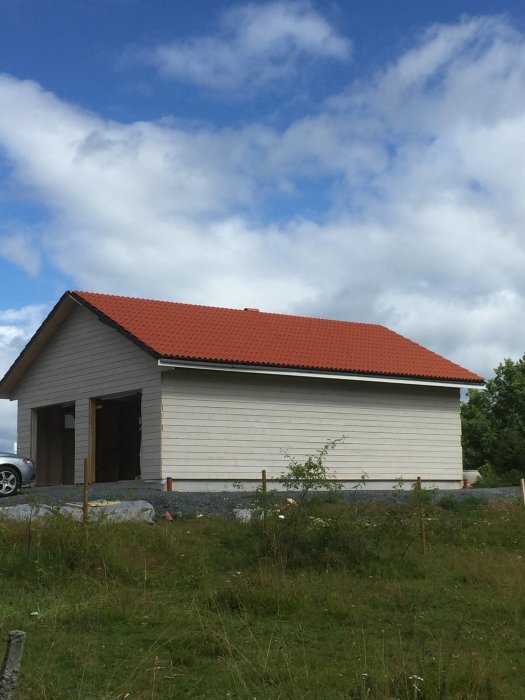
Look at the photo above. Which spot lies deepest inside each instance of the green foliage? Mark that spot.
(294, 532)
(311, 475)
(493, 426)
(489, 478)
(463, 506)
(421, 497)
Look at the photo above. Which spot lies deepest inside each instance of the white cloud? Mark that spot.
(18, 247)
(16, 328)
(257, 44)
(491, 325)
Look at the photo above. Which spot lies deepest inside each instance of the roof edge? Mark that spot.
(291, 370)
(108, 321)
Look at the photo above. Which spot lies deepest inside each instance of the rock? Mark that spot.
(26, 512)
(114, 511)
(243, 514)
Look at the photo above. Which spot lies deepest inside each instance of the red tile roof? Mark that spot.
(212, 334)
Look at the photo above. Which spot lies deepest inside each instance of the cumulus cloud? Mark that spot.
(144, 202)
(256, 44)
(420, 168)
(18, 247)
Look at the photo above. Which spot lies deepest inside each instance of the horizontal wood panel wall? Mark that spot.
(84, 359)
(223, 425)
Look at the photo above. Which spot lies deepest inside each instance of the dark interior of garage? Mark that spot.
(55, 440)
(117, 443)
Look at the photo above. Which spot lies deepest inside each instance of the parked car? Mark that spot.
(15, 471)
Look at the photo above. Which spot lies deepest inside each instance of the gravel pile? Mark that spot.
(219, 503)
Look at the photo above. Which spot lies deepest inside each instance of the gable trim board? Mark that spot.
(214, 427)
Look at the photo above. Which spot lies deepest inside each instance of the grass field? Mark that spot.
(209, 608)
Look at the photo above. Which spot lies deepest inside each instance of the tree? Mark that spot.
(493, 423)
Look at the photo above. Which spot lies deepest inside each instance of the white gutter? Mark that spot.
(255, 369)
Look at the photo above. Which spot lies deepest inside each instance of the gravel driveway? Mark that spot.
(215, 503)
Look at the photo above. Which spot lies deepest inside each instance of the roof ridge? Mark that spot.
(229, 308)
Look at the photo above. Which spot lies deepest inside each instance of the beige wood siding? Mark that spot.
(84, 359)
(23, 432)
(228, 426)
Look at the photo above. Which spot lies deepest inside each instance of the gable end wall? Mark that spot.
(87, 359)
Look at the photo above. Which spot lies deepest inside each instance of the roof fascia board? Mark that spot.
(278, 371)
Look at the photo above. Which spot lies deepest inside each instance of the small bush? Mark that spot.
(462, 505)
(489, 478)
(294, 533)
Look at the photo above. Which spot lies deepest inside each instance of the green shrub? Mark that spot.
(294, 533)
(463, 505)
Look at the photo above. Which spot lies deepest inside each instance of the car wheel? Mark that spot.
(9, 481)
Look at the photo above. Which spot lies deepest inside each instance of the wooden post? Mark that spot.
(265, 502)
(92, 439)
(85, 493)
(421, 518)
(523, 491)
(11, 664)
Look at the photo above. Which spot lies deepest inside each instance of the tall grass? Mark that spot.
(210, 608)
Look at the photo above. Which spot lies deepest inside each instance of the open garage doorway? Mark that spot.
(117, 439)
(55, 445)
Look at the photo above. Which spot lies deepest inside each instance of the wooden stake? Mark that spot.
(92, 439)
(11, 664)
(523, 491)
(265, 502)
(85, 493)
(422, 533)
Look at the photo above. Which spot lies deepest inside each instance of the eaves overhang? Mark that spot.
(175, 363)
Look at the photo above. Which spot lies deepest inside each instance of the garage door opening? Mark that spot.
(117, 441)
(55, 445)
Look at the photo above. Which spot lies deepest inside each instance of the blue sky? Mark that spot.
(362, 160)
